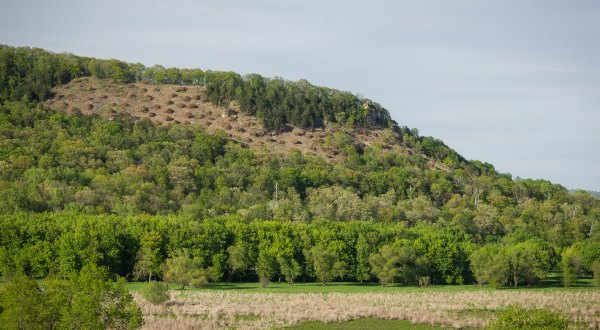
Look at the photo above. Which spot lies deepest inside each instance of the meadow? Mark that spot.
(350, 305)
(355, 305)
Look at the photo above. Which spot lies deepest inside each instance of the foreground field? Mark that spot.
(208, 309)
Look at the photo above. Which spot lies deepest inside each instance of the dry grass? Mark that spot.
(218, 309)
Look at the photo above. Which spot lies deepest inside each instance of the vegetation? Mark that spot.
(365, 323)
(156, 293)
(246, 205)
(515, 317)
(453, 308)
(185, 270)
(30, 74)
(175, 203)
(87, 300)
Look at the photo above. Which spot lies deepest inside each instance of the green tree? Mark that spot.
(528, 262)
(290, 268)
(87, 300)
(97, 302)
(402, 263)
(326, 264)
(571, 265)
(385, 264)
(149, 258)
(22, 304)
(238, 259)
(184, 270)
(363, 269)
(266, 267)
(489, 264)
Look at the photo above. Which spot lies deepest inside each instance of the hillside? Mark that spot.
(189, 104)
(130, 168)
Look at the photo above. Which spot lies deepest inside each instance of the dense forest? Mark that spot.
(144, 201)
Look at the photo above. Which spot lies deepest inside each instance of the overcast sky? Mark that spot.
(515, 83)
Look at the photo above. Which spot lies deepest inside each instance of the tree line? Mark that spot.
(191, 252)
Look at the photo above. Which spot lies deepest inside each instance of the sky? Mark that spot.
(515, 83)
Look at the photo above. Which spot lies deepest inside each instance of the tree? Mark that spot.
(288, 207)
(266, 266)
(22, 304)
(571, 265)
(486, 220)
(402, 263)
(238, 259)
(184, 270)
(489, 264)
(326, 264)
(87, 300)
(528, 262)
(335, 203)
(363, 269)
(385, 264)
(290, 268)
(149, 258)
(97, 302)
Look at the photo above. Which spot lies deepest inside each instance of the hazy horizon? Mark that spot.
(515, 84)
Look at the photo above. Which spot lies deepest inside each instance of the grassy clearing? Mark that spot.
(366, 323)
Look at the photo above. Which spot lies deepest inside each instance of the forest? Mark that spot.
(179, 204)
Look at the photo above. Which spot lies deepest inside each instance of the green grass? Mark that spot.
(342, 287)
(551, 283)
(367, 323)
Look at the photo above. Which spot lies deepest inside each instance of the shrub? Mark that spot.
(156, 293)
(88, 300)
(515, 317)
(424, 281)
(596, 271)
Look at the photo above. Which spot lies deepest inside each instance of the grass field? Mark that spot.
(345, 305)
(360, 306)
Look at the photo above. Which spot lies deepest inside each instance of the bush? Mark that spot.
(88, 300)
(515, 317)
(156, 293)
(596, 271)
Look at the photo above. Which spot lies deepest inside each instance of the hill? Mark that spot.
(124, 166)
